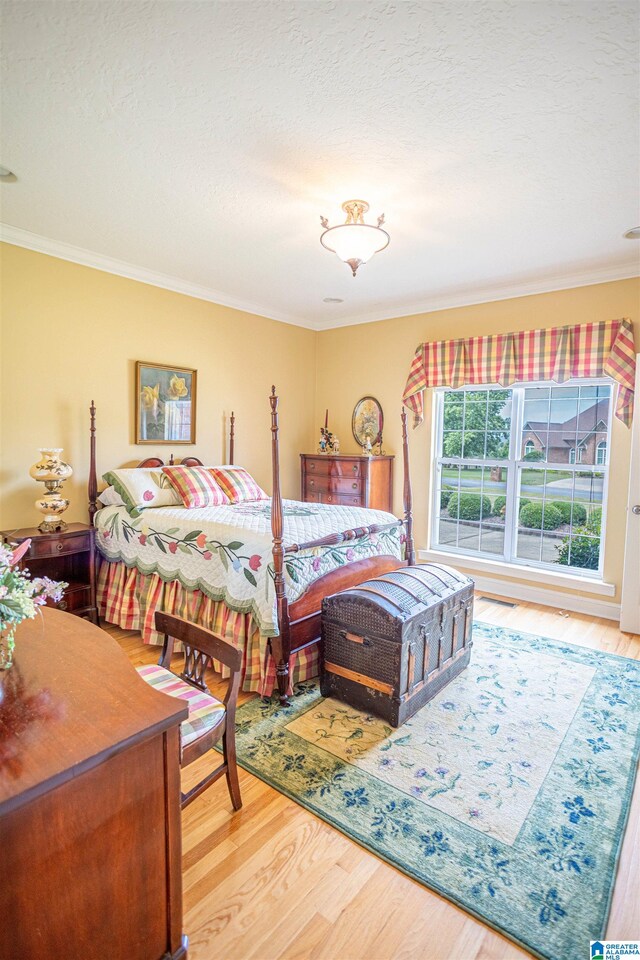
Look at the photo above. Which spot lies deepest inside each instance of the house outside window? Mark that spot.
(507, 484)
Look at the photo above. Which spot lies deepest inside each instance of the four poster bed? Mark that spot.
(256, 572)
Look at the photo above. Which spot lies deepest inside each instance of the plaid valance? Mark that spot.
(558, 354)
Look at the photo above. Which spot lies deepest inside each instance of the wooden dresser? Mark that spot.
(353, 480)
(90, 832)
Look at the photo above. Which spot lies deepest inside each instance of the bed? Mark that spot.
(254, 571)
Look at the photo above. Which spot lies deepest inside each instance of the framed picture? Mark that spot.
(367, 422)
(165, 404)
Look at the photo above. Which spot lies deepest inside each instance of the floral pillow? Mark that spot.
(141, 487)
(195, 486)
(238, 484)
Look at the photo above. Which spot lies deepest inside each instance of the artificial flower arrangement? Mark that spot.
(20, 597)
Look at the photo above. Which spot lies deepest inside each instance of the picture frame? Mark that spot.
(367, 423)
(165, 406)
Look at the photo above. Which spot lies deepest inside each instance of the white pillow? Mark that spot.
(142, 487)
(110, 498)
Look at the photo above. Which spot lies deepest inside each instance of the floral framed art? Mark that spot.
(165, 403)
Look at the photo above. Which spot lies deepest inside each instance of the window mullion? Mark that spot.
(513, 479)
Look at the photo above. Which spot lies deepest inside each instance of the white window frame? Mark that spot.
(514, 466)
(601, 448)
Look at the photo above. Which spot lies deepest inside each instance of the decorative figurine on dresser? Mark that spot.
(354, 480)
(67, 555)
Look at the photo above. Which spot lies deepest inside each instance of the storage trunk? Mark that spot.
(390, 644)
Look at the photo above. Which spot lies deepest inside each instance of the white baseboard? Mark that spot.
(549, 598)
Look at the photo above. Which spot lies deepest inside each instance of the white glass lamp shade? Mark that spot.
(355, 243)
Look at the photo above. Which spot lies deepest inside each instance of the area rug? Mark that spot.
(508, 793)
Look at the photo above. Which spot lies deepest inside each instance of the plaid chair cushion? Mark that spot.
(205, 712)
(238, 484)
(195, 486)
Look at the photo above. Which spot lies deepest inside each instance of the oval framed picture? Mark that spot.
(367, 422)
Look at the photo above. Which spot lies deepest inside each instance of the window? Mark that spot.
(521, 474)
(601, 453)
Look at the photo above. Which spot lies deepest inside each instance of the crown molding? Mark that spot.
(586, 278)
(87, 258)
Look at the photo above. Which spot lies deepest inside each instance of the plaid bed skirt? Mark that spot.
(130, 599)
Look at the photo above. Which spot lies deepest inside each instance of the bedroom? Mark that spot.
(168, 167)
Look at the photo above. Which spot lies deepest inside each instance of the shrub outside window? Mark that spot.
(521, 474)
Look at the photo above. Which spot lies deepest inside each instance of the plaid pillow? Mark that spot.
(238, 484)
(195, 486)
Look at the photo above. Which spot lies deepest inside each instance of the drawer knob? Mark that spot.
(328, 499)
(355, 468)
(354, 486)
(59, 546)
(63, 605)
(312, 466)
(311, 482)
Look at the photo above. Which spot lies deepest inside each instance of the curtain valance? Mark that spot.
(558, 354)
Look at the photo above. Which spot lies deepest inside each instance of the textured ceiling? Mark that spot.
(202, 140)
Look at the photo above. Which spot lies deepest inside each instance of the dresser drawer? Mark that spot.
(319, 466)
(333, 466)
(76, 597)
(55, 546)
(335, 485)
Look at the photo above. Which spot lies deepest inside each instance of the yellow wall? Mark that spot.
(71, 334)
(374, 359)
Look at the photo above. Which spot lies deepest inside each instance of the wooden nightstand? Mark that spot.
(66, 555)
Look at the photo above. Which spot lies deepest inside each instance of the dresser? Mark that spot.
(349, 480)
(90, 832)
(67, 555)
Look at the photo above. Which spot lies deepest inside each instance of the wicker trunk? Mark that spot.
(390, 644)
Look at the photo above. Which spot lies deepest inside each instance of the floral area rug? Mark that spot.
(508, 793)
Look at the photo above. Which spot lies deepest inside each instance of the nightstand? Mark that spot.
(65, 555)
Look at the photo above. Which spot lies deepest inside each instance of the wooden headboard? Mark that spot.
(147, 462)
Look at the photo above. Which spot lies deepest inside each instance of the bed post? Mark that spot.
(280, 645)
(407, 497)
(93, 480)
(232, 436)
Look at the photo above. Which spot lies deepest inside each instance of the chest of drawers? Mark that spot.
(349, 480)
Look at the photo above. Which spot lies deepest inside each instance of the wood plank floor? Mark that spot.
(272, 881)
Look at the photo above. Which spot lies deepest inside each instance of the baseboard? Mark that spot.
(548, 598)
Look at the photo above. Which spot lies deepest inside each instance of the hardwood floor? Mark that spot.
(272, 881)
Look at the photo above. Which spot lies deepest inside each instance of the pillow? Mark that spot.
(195, 486)
(142, 487)
(110, 498)
(238, 484)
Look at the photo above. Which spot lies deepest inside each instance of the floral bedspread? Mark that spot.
(226, 551)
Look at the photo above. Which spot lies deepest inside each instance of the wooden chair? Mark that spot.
(209, 719)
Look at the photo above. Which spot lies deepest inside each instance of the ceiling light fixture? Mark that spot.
(332, 300)
(633, 234)
(354, 241)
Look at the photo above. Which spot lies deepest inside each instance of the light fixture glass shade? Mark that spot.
(353, 241)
